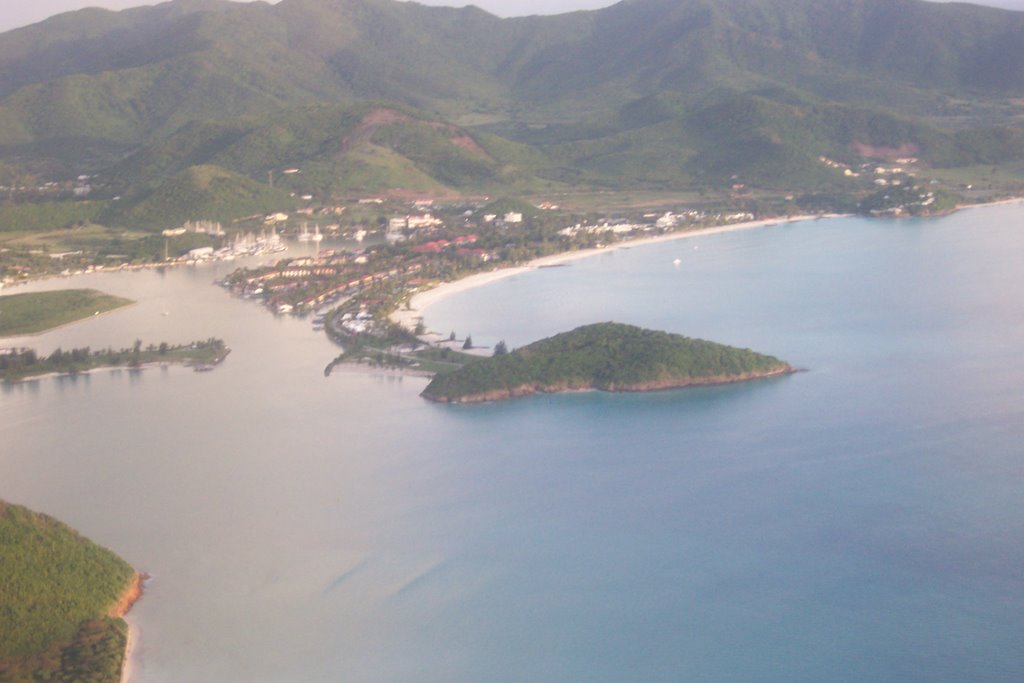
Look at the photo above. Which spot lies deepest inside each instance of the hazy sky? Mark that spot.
(14, 13)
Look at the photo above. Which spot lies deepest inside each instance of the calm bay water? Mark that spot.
(859, 521)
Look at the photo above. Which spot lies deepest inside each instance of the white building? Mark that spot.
(201, 253)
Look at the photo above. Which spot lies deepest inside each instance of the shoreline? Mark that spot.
(90, 371)
(408, 317)
(126, 661)
(131, 268)
(132, 595)
(357, 368)
(526, 391)
(187, 363)
(69, 323)
(995, 202)
(128, 599)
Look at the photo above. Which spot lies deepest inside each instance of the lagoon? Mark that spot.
(860, 521)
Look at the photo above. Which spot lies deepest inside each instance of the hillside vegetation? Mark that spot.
(366, 96)
(605, 356)
(198, 192)
(59, 599)
(368, 147)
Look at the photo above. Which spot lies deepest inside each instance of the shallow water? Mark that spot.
(859, 521)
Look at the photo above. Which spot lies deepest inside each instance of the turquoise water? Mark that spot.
(858, 521)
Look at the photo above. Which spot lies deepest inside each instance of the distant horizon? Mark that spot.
(22, 15)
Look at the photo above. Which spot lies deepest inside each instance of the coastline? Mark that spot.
(129, 650)
(188, 363)
(355, 367)
(996, 202)
(90, 371)
(48, 330)
(647, 387)
(408, 317)
(131, 596)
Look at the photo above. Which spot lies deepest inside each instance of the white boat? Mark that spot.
(304, 234)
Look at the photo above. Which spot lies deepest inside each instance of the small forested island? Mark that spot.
(35, 312)
(19, 364)
(61, 602)
(605, 356)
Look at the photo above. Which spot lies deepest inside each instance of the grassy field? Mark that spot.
(40, 311)
(57, 601)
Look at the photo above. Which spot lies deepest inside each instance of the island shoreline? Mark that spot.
(527, 391)
(132, 595)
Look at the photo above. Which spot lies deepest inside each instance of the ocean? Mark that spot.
(861, 520)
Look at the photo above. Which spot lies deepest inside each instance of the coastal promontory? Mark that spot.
(61, 602)
(604, 356)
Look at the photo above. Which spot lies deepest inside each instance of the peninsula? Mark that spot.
(604, 356)
(35, 312)
(62, 598)
(20, 364)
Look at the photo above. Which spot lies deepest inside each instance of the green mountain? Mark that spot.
(367, 95)
(367, 147)
(198, 192)
(771, 139)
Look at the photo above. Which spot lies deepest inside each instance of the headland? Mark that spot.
(604, 356)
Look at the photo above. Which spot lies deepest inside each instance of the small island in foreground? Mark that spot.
(61, 602)
(605, 356)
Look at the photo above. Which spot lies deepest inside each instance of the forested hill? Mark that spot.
(587, 95)
(213, 57)
(61, 599)
(605, 356)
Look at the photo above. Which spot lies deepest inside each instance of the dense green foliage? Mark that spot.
(652, 94)
(55, 596)
(504, 205)
(198, 193)
(607, 356)
(365, 147)
(39, 311)
(22, 363)
(40, 216)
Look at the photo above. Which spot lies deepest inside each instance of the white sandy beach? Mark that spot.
(130, 653)
(408, 317)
